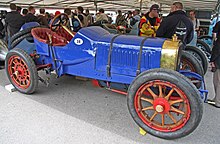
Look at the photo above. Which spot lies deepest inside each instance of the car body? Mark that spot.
(87, 55)
(143, 68)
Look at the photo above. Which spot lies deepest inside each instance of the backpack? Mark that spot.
(181, 31)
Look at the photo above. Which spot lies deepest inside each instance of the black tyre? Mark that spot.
(21, 33)
(165, 103)
(21, 71)
(3, 44)
(3, 50)
(18, 40)
(3, 53)
(205, 47)
(205, 37)
(200, 55)
(189, 62)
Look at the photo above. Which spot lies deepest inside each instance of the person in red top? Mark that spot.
(150, 22)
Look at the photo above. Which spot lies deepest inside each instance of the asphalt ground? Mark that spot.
(71, 111)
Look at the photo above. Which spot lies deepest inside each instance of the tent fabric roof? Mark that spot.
(111, 4)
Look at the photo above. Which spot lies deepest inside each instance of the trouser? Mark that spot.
(194, 40)
(216, 82)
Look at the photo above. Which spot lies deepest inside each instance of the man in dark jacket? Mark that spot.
(169, 24)
(215, 64)
(14, 20)
(42, 18)
(30, 17)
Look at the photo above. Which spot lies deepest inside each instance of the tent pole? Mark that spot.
(141, 3)
(96, 6)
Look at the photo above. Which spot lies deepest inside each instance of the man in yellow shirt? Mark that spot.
(150, 22)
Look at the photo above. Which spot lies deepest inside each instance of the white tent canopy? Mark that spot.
(111, 4)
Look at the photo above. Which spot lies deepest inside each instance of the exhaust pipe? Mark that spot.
(3, 52)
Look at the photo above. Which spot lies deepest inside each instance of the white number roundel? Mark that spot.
(78, 41)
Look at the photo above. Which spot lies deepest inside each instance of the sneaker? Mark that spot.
(209, 101)
(214, 105)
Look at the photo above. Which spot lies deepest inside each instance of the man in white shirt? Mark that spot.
(195, 21)
(196, 25)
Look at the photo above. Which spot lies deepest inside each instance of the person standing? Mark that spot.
(19, 9)
(89, 17)
(196, 25)
(101, 16)
(177, 23)
(82, 17)
(150, 22)
(30, 17)
(120, 19)
(13, 20)
(215, 64)
(24, 12)
(136, 15)
(42, 18)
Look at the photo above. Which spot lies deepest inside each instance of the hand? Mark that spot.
(212, 64)
(213, 68)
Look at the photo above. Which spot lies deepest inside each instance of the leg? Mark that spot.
(216, 82)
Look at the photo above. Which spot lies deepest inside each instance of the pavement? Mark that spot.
(71, 111)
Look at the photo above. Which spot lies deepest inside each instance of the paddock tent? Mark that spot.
(207, 5)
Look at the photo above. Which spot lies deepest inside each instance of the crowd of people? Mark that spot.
(17, 17)
(149, 24)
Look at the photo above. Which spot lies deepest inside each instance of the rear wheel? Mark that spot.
(204, 47)
(165, 103)
(189, 62)
(27, 36)
(21, 71)
(207, 39)
(200, 55)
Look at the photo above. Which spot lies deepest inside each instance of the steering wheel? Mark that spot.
(59, 21)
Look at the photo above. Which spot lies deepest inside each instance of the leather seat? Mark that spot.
(42, 35)
(63, 33)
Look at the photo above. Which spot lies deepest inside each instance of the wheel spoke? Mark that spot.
(176, 110)
(153, 116)
(152, 93)
(147, 100)
(160, 91)
(162, 119)
(175, 101)
(148, 108)
(171, 117)
(169, 94)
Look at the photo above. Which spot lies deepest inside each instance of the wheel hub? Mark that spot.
(159, 108)
(161, 105)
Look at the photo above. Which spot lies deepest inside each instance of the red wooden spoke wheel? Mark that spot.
(165, 103)
(21, 71)
(190, 62)
(18, 71)
(187, 65)
(157, 110)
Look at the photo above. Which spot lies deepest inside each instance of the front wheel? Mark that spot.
(21, 71)
(165, 103)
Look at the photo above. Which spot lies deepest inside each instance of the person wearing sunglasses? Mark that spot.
(150, 22)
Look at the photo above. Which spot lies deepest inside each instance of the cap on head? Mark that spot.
(155, 7)
(57, 13)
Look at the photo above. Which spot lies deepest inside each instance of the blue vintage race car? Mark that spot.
(161, 100)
